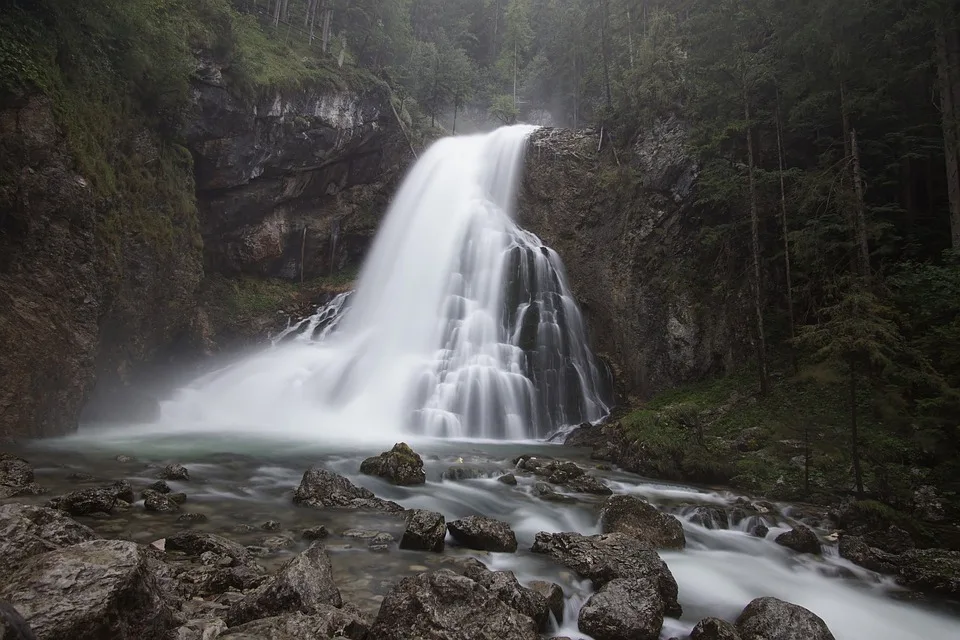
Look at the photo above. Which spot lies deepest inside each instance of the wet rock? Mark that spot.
(714, 629)
(192, 518)
(174, 472)
(750, 439)
(380, 543)
(201, 629)
(606, 557)
(935, 571)
(27, 531)
(124, 459)
(211, 579)
(270, 525)
(243, 528)
(14, 471)
(508, 478)
(81, 477)
(544, 491)
(504, 585)
(928, 504)
(327, 622)
(196, 543)
(709, 517)
(320, 488)
(178, 498)
(425, 531)
(12, 625)
(315, 533)
(160, 486)
(893, 539)
(640, 519)
(586, 435)
(760, 530)
(463, 472)
(774, 619)
(158, 502)
(83, 502)
(273, 544)
(854, 549)
(562, 472)
(484, 534)
(401, 466)
(303, 584)
(589, 484)
(624, 609)
(801, 539)
(32, 489)
(123, 491)
(553, 594)
(445, 606)
(90, 591)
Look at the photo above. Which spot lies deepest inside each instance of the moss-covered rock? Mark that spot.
(401, 465)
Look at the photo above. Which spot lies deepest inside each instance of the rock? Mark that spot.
(178, 498)
(893, 539)
(508, 478)
(124, 459)
(928, 505)
(270, 525)
(32, 489)
(380, 542)
(174, 472)
(760, 530)
(401, 465)
(304, 584)
(154, 501)
(123, 491)
(857, 551)
(484, 534)
(445, 606)
(624, 609)
(425, 531)
(196, 543)
(545, 492)
(586, 435)
(320, 488)
(27, 531)
(83, 502)
(12, 624)
(201, 629)
(14, 471)
(328, 622)
(160, 486)
(463, 472)
(274, 544)
(315, 533)
(588, 484)
(192, 518)
(750, 439)
(606, 557)
(773, 619)
(935, 571)
(714, 629)
(709, 518)
(553, 594)
(90, 591)
(801, 539)
(81, 476)
(640, 519)
(562, 472)
(504, 585)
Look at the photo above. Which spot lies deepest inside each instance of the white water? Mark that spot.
(462, 326)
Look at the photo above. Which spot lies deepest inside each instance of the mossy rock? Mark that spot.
(401, 466)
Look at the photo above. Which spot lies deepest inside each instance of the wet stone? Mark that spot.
(192, 518)
(160, 486)
(508, 478)
(158, 502)
(174, 472)
(425, 531)
(270, 525)
(401, 466)
(801, 539)
(315, 533)
(179, 498)
(484, 534)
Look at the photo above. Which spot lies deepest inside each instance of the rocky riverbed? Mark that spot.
(129, 534)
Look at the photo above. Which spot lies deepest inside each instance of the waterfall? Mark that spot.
(461, 326)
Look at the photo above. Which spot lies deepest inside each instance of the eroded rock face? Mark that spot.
(89, 591)
(504, 585)
(801, 539)
(483, 534)
(12, 625)
(401, 465)
(320, 488)
(27, 531)
(445, 606)
(774, 619)
(624, 610)
(638, 518)
(425, 531)
(328, 622)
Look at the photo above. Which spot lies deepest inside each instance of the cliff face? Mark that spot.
(627, 230)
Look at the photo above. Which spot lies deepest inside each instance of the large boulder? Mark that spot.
(714, 629)
(320, 488)
(801, 539)
(91, 591)
(327, 622)
(174, 472)
(606, 557)
(504, 585)
(483, 534)
(12, 625)
(854, 549)
(553, 594)
(774, 619)
(27, 531)
(425, 531)
(445, 606)
(401, 465)
(304, 584)
(624, 609)
(14, 471)
(197, 543)
(638, 518)
(931, 571)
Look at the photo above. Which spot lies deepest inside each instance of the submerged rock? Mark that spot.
(160, 486)
(774, 619)
(710, 518)
(854, 549)
(445, 606)
(484, 534)
(801, 539)
(934, 571)
(425, 531)
(27, 531)
(640, 519)
(714, 629)
(174, 472)
(14, 471)
(401, 465)
(327, 622)
(320, 488)
(624, 609)
(589, 484)
(196, 543)
(13, 626)
(508, 478)
(545, 492)
(463, 472)
(83, 502)
(158, 502)
(315, 533)
(304, 584)
(553, 594)
(90, 591)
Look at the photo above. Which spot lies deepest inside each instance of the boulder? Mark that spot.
(14, 471)
(304, 584)
(935, 571)
(760, 530)
(192, 518)
(801, 539)
(123, 490)
(160, 486)
(586, 435)
(315, 533)
(174, 472)
(177, 498)
(12, 624)
(588, 484)
(463, 472)
(90, 591)
(504, 585)
(709, 518)
(27, 531)
(714, 629)
(638, 518)
(483, 534)
(401, 465)
(854, 549)
(442, 605)
(213, 578)
(606, 557)
(624, 609)
(83, 502)
(545, 492)
(197, 543)
(327, 622)
(201, 629)
(553, 594)
(425, 531)
(156, 501)
(774, 619)
(508, 478)
(320, 488)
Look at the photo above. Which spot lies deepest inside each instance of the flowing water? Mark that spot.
(463, 339)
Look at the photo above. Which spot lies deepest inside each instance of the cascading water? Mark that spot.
(462, 324)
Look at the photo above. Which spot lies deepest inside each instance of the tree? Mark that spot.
(504, 109)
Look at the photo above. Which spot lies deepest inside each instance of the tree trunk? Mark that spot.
(784, 230)
(283, 11)
(456, 105)
(630, 36)
(496, 29)
(276, 13)
(854, 436)
(605, 55)
(755, 248)
(514, 74)
(948, 72)
(845, 119)
(860, 228)
(325, 34)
